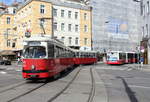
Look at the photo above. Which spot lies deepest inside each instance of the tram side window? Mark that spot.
(57, 51)
(50, 50)
(120, 56)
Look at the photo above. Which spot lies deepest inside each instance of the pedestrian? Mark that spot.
(18, 60)
(141, 61)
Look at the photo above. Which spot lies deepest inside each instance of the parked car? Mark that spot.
(5, 62)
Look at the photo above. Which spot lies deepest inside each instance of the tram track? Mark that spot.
(105, 85)
(27, 92)
(16, 88)
(92, 92)
(12, 87)
(65, 88)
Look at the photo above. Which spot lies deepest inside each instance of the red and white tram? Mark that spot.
(44, 57)
(115, 57)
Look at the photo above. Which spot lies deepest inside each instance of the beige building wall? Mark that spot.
(28, 18)
(85, 29)
(6, 31)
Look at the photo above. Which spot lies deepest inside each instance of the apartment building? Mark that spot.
(145, 43)
(29, 18)
(6, 30)
(69, 21)
(73, 26)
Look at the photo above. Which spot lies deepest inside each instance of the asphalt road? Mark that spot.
(123, 83)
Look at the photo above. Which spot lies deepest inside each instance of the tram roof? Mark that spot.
(115, 51)
(44, 38)
(38, 38)
(47, 38)
(84, 51)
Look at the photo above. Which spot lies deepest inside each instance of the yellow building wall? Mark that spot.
(4, 35)
(84, 22)
(37, 16)
(30, 19)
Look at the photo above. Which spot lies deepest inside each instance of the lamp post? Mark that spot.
(106, 22)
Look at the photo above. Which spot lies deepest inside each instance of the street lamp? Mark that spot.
(106, 22)
(137, 0)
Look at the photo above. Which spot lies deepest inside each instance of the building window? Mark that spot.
(62, 13)
(76, 28)
(85, 16)
(85, 28)
(13, 44)
(85, 41)
(42, 21)
(42, 8)
(70, 40)
(54, 12)
(55, 26)
(8, 43)
(8, 20)
(77, 41)
(69, 14)
(76, 15)
(62, 26)
(147, 29)
(62, 39)
(147, 7)
(144, 10)
(69, 27)
(8, 31)
(14, 11)
(143, 31)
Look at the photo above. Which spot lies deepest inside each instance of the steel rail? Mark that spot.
(92, 92)
(15, 98)
(66, 87)
(14, 86)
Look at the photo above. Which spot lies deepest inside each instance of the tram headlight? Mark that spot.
(33, 67)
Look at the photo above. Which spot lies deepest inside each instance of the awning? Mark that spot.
(6, 53)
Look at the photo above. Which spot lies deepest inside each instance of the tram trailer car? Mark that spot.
(44, 57)
(85, 57)
(132, 57)
(115, 57)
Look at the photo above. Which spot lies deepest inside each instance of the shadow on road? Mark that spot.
(130, 93)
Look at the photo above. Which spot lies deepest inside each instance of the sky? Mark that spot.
(8, 2)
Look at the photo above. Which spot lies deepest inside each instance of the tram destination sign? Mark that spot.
(34, 43)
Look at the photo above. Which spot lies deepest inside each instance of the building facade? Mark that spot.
(116, 25)
(6, 30)
(145, 43)
(68, 21)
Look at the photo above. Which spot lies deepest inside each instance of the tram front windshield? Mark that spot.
(112, 56)
(35, 52)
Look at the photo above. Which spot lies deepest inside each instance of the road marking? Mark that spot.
(112, 68)
(2, 72)
(136, 86)
(18, 70)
